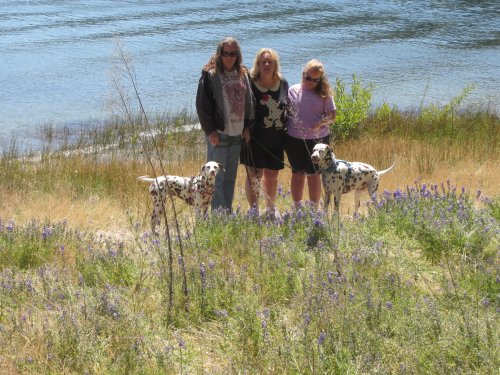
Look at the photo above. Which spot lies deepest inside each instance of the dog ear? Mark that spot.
(221, 167)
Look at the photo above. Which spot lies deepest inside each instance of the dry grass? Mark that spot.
(110, 212)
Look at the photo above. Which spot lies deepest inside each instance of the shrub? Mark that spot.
(352, 108)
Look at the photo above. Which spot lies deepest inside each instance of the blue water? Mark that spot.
(57, 57)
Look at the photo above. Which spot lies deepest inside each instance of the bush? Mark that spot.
(352, 108)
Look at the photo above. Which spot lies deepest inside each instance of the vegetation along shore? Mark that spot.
(411, 286)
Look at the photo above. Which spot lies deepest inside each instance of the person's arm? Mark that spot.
(205, 104)
(249, 120)
(327, 120)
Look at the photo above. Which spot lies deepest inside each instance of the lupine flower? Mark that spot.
(11, 226)
(330, 277)
(182, 344)
(222, 313)
(321, 338)
(203, 272)
(28, 283)
(335, 297)
(307, 319)
(47, 232)
(266, 313)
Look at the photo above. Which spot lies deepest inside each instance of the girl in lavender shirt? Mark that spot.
(312, 110)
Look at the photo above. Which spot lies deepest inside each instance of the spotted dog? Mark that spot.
(196, 191)
(340, 177)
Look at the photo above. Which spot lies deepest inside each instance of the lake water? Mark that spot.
(56, 56)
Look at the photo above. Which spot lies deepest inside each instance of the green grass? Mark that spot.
(261, 296)
(410, 287)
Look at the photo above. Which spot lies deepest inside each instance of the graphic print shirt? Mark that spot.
(234, 91)
(270, 117)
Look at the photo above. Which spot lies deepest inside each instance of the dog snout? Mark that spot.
(213, 171)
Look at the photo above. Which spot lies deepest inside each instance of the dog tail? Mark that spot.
(147, 179)
(380, 173)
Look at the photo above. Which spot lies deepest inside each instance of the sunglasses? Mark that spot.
(229, 54)
(311, 79)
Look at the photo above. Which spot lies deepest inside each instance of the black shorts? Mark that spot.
(256, 155)
(299, 153)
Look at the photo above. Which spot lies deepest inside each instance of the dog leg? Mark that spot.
(157, 212)
(154, 221)
(326, 201)
(357, 201)
(336, 203)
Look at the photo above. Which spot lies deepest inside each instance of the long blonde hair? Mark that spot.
(323, 87)
(255, 72)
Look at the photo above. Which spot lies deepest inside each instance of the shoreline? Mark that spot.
(32, 136)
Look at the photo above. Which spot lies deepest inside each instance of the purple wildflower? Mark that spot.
(221, 313)
(266, 313)
(203, 272)
(46, 232)
(307, 319)
(182, 344)
(321, 338)
(11, 226)
(330, 277)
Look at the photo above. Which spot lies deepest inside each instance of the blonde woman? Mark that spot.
(312, 110)
(264, 154)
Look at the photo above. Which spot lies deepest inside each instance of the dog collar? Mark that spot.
(333, 167)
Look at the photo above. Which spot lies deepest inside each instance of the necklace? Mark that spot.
(230, 75)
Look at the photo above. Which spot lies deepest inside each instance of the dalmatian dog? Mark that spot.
(195, 191)
(340, 177)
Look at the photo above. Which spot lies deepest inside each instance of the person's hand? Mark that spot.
(246, 135)
(325, 121)
(213, 138)
(320, 124)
